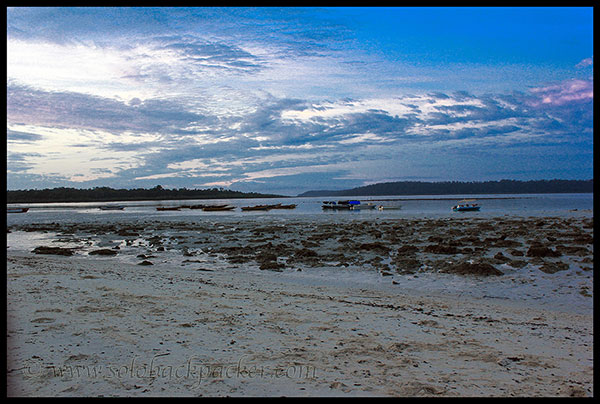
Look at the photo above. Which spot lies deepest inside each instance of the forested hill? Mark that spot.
(105, 194)
(464, 188)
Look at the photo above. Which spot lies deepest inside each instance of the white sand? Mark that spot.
(78, 326)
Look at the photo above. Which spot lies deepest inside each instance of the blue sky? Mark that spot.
(286, 100)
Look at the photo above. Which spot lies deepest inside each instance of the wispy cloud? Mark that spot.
(566, 92)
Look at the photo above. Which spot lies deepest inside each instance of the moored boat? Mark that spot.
(347, 205)
(218, 208)
(465, 206)
(163, 208)
(340, 205)
(257, 207)
(16, 210)
(268, 207)
(290, 206)
(382, 207)
(362, 206)
(112, 207)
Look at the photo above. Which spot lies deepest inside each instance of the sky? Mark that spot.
(286, 100)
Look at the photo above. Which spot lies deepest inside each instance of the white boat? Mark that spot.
(381, 207)
(361, 206)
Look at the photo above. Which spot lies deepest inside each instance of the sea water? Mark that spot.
(529, 284)
(406, 207)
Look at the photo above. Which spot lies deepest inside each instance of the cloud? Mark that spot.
(16, 136)
(280, 140)
(568, 91)
(585, 63)
(27, 105)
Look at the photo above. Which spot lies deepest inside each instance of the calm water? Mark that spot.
(310, 208)
(527, 285)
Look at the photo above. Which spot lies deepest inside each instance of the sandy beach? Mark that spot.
(420, 307)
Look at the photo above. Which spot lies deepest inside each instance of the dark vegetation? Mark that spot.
(464, 188)
(105, 194)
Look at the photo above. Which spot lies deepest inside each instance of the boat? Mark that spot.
(112, 207)
(382, 207)
(162, 208)
(257, 207)
(16, 210)
(197, 206)
(290, 206)
(218, 208)
(466, 205)
(340, 205)
(268, 207)
(347, 205)
(361, 206)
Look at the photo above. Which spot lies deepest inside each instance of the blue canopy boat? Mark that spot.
(464, 206)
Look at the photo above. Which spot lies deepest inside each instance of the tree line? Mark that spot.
(464, 188)
(106, 194)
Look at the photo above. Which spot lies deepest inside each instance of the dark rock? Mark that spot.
(517, 263)
(127, 233)
(407, 249)
(441, 249)
(376, 247)
(553, 267)
(305, 252)
(583, 239)
(573, 250)
(239, 259)
(542, 251)
(103, 251)
(506, 243)
(53, 251)
(311, 244)
(516, 253)
(475, 268)
(472, 240)
(407, 265)
(145, 263)
(266, 257)
(271, 266)
(501, 257)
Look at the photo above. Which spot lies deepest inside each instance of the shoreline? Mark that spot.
(246, 308)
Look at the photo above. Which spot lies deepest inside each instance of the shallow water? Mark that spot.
(409, 206)
(528, 284)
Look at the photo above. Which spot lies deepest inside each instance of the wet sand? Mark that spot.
(244, 308)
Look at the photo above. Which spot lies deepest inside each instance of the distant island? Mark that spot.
(464, 188)
(105, 194)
